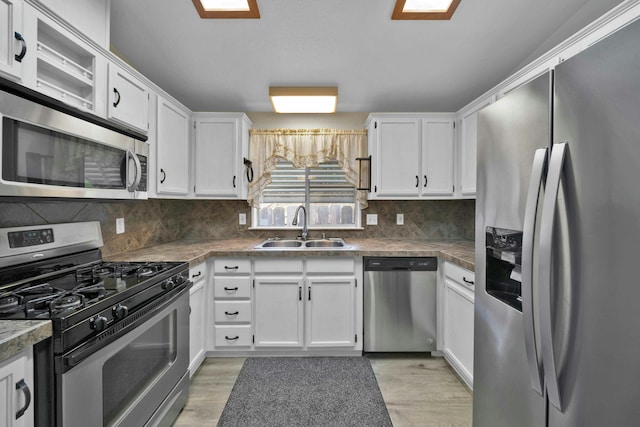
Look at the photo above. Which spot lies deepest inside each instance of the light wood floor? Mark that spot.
(418, 391)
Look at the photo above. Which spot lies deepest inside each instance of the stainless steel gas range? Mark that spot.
(120, 346)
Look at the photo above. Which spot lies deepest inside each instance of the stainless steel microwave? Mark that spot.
(50, 152)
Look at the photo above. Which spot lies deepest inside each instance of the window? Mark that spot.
(327, 196)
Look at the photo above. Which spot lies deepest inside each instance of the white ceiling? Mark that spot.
(378, 64)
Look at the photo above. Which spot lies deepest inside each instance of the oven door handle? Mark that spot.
(126, 325)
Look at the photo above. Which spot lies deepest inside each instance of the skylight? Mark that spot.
(424, 9)
(225, 9)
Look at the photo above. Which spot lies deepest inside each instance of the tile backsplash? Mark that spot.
(149, 222)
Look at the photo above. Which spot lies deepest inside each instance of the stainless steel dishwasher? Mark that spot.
(400, 304)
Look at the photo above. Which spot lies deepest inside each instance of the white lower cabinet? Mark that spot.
(231, 312)
(279, 311)
(292, 304)
(16, 389)
(197, 316)
(458, 309)
(330, 315)
(313, 307)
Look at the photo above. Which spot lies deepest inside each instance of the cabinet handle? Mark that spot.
(235, 313)
(468, 282)
(193, 276)
(115, 91)
(299, 293)
(425, 181)
(24, 388)
(375, 188)
(23, 51)
(234, 181)
(230, 289)
(309, 293)
(231, 338)
(164, 176)
(417, 181)
(231, 268)
(249, 165)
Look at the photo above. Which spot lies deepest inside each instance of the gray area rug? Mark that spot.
(305, 391)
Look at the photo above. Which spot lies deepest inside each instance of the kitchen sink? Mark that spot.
(325, 243)
(279, 244)
(301, 245)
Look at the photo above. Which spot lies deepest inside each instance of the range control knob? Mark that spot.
(99, 323)
(180, 279)
(167, 285)
(120, 311)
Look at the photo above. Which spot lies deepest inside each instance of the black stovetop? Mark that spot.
(60, 288)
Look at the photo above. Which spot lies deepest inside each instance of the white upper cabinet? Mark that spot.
(412, 156)
(128, 99)
(13, 47)
(468, 149)
(395, 157)
(220, 145)
(61, 65)
(91, 18)
(172, 149)
(437, 157)
(468, 143)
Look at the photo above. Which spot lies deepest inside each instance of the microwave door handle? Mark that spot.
(133, 186)
(536, 183)
(550, 202)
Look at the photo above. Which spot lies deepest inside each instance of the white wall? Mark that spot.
(308, 121)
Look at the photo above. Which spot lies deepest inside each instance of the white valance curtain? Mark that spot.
(304, 148)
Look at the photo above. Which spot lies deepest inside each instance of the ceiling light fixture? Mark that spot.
(424, 9)
(304, 99)
(224, 9)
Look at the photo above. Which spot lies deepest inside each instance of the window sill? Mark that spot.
(310, 228)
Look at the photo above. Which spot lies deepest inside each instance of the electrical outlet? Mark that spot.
(119, 225)
(399, 219)
(242, 219)
(372, 219)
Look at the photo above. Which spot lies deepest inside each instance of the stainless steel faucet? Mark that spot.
(305, 229)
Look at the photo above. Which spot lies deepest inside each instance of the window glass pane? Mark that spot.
(329, 197)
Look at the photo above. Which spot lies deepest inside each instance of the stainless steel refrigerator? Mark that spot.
(557, 317)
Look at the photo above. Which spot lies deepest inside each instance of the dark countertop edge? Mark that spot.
(16, 335)
(200, 251)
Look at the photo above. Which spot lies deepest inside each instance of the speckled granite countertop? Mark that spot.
(196, 251)
(16, 335)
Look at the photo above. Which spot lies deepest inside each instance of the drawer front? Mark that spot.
(198, 272)
(460, 275)
(333, 265)
(232, 287)
(232, 266)
(232, 311)
(233, 336)
(278, 265)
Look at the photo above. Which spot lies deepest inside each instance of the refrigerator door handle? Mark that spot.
(536, 183)
(556, 163)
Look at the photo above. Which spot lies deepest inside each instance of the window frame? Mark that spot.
(357, 214)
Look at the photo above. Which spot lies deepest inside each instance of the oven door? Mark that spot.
(133, 379)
